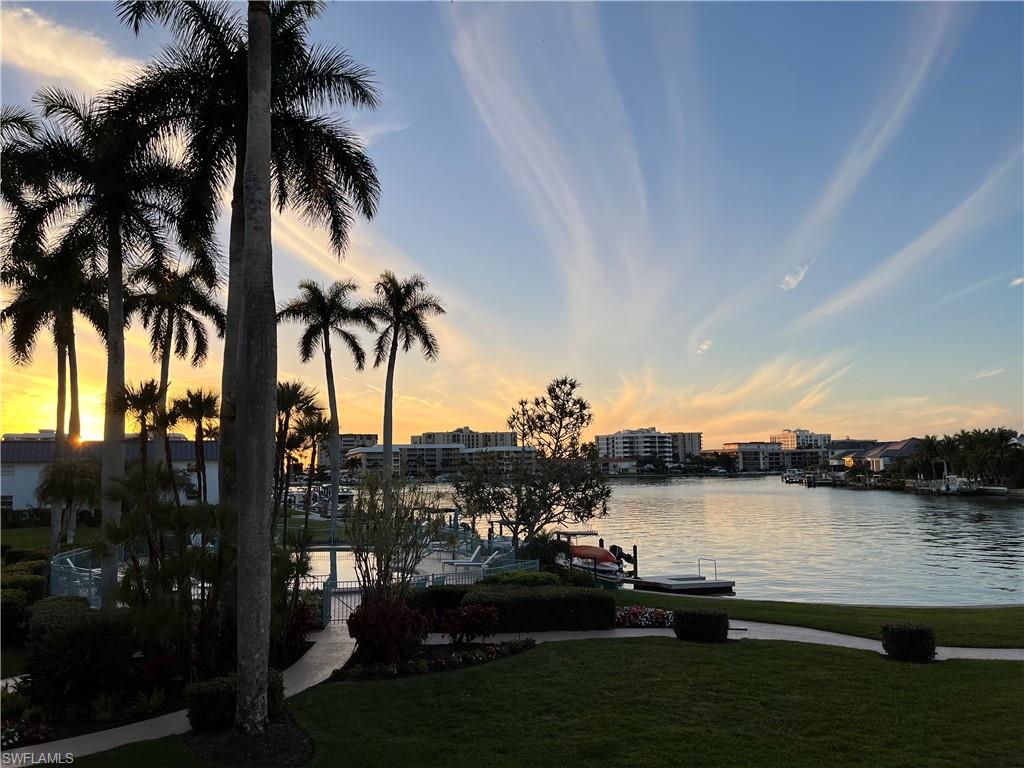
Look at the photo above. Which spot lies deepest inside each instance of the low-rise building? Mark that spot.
(433, 458)
(792, 439)
(882, 456)
(349, 440)
(772, 457)
(685, 445)
(467, 437)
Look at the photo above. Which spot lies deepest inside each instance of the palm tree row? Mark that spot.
(982, 454)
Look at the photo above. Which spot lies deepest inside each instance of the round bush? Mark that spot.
(34, 587)
(701, 626)
(31, 567)
(387, 632)
(434, 601)
(909, 642)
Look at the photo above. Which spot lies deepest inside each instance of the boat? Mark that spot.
(601, 563)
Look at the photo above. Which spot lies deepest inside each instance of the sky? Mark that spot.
(727, 218)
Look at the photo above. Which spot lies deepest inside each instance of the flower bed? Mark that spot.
(433, 658)
(642, 617)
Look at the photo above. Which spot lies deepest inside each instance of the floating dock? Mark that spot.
(682, 584)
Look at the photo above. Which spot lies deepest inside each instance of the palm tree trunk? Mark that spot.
(256, 391)
(335, 449)
(170, 468)
(59, 438)
(165, 369)
(389, 396)
(112, 455)
(75, 417)
(200, 463)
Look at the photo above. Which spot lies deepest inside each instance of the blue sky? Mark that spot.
(731, 218)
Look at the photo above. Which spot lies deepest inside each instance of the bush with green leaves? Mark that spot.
(701, 626)
(909, 642)
(54, 612)
(76, 655)
(34, 587)
(546, 609)
(522, 579)
(13, 614)
(31, 567)
(576, 577)
(211, 703)
(432, 602)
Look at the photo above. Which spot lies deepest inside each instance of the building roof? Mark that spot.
(898, 449)
(41, 451)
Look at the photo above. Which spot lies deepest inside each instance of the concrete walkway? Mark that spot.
(755, 630)
(331, 649)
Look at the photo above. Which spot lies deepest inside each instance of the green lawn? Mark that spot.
(34, 538)
(657, 702)
(964, 627)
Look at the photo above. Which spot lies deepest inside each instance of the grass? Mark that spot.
(12, 660)
(963, 627)
(39, 537)
(659, 701)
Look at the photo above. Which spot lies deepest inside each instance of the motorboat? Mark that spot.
(603, 564)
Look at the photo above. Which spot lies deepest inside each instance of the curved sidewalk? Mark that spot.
(755, 630)
(331, 649)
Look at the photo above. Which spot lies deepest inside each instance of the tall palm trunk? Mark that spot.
(112, 456)
(165, 367)
(389, 396)
(256, 392)
(75, 416)
(303, 542)
(59, 438)
(226, 481)
(335, 449)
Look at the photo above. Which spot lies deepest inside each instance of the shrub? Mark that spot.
(12, 556)
(211, 703)
(34, 587)
(702, 626)
(54, 612)
(543, 609)
(387, 632)
(640, 616)
(13, 614)
(31, 567)
(576, 577)
(434, 601)
(75, 655)
(909, 642)
(523, 579)
(470, 622)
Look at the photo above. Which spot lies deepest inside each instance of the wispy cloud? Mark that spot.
(969, 215)
(73, 57)
(704, 346)
(926, 56)
(1017, 282)
(987, 373)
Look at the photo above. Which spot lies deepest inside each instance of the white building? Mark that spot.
(635, 444)
(467, 437)
(22, 463)
(755, 457)
(791, 439)
(349, 440)
(434, 458)
(685, 444)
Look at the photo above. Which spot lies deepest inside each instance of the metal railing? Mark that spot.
(709, 560)
(72, 574)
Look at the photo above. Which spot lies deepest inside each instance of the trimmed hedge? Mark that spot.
(13, 614)
(546, 609)
(702, 626)
(909, 642)
(54, 612)
(31, 567)
(76, 655)
(211, 703)
(12, 556)
(34, 587)
(523, 579)
(432, 602)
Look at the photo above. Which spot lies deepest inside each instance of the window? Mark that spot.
(6, 503)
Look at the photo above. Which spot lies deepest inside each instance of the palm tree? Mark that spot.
(69, 485)
(318, 164)
(257, 374)
(293, 398)
(400, 309)
(164, 420)
(323, 312)
(200, 408)
(115, 182)
(142, 404)
(49, 288)
(173, 305)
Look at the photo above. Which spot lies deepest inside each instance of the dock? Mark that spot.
(681, 584)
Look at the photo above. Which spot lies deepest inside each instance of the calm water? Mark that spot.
(787, 542)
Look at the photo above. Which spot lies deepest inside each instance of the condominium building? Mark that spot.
(773, 457)
(467, 437)
(685, 444)
(635, 443)
(791, 439)
(434, 458)
(349, 440)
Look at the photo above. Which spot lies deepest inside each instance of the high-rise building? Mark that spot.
(685, 444)
(467, 437)
(349, 440)
(635, 444)
(791, 439)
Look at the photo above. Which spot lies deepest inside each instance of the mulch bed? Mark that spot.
(283, 745)
(432, 658)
